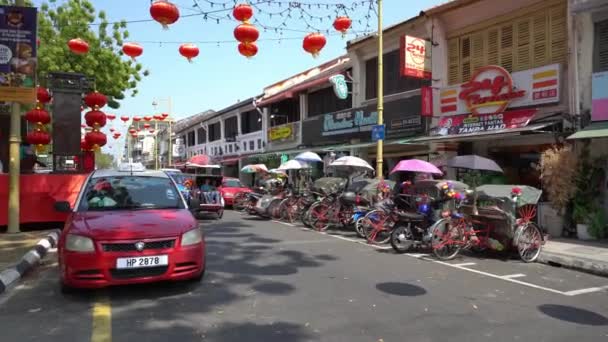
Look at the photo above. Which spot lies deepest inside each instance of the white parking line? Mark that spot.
(583, 291)
(284, 223)
(462, 266)
(518, 275)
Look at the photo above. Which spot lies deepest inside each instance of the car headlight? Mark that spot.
(192, 237)
(79, 243)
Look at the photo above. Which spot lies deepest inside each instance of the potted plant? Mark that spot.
(597, 224)
(582, 213)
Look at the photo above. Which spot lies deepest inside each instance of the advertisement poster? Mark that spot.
(466, 124)
(599, 96)
(18, 54)
(283, 132)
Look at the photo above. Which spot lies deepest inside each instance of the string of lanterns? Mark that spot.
(39, 136)
(95, 119)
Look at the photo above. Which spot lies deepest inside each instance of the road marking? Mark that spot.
(465, 264)
(284, 223)
(102, 320)
(417, 255)
(518, 275)
(588, 290)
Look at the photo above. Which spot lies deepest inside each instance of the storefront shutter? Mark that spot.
(559, 34)
(453, 61)
(493, 46)
(523, 56)
(506, 47)
(601, 55)
(465, 58)
(539, 34)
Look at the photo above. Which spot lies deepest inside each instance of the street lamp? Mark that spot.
(380, 97)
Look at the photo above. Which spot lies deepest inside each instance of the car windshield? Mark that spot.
(232, 183)
(130, 193)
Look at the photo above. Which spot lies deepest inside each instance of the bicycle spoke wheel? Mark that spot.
(318, 218)
(529, 243)
(376, 226)
(446, 239)
(359, 227)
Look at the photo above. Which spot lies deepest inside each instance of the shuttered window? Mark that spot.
(534, 40)
(601, 47)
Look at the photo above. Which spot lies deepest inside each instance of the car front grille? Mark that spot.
(126, 247)
(138, 272)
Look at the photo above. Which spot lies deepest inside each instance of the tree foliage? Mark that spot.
(104, 160)
(58, 23)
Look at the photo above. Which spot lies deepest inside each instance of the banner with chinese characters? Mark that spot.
(18, 54)
(465, 124)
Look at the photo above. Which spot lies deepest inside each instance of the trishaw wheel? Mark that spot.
(529, 242)
(402, 238)
(446, 239)
(359, 228)
(375, 227)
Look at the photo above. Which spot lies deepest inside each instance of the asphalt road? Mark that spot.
(268, 281)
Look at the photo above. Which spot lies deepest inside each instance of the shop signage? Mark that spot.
(465, 124)
(349, 121)
(426, 93)
(18, 54)
(283, 132)
(599, 96)
(492, 90)
(416, 57)
(340, 87)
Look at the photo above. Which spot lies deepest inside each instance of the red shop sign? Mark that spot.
(489, 91)
(466, 124)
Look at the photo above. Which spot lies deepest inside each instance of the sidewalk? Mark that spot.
(14, 246)
(589, 256)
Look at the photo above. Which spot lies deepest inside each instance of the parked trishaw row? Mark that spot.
(443, 215)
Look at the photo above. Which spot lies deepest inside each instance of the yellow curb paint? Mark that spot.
(102, 320)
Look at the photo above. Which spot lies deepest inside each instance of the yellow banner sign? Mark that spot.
(280, 132)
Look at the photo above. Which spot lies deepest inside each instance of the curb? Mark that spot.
(581, 264)
(11, 275)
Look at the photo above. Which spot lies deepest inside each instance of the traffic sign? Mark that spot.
(378, 132)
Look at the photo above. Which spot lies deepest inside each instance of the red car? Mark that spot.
(230, 187)
(129, 227)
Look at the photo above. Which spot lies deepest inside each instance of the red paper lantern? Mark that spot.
(95, 118)
(136, 118)
(132, 131)
(164, 12)
(124, 119)
(248, 50)
(85, 146)
(156, 117)
(132, 50)
(152, 131)
(147, 118)
(134, 135)
(38, 138)
(242, 12)
(117, 135)
(95, 139)
(83, 126)
(164, 115)
(78, 46)
(146, 125)
(42, 95)
(313, 43)
(111, 116)
(95, 99)
(38, 116)
(342, 24)
(189, 51)
(112, 130)
(246, 33)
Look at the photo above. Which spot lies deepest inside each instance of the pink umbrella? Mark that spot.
(416, 165)
(201, 159)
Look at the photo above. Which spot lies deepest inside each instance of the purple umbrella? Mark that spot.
(416, 165)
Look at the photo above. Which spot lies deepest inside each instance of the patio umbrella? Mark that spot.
(350, 161)
(254, 168)
(473, 162)
(416, 165)
(201, 159)
(291, 165)
(308, 157)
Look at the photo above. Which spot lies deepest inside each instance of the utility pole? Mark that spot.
(380, 97)
(14, 164)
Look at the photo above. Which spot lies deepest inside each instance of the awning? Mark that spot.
(595, 130)
(482, 135)
(290, 92)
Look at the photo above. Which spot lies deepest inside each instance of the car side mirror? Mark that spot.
(63, 206)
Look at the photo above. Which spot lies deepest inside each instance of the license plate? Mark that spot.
(143, 261)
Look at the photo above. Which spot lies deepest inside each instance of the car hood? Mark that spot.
(139, 224)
